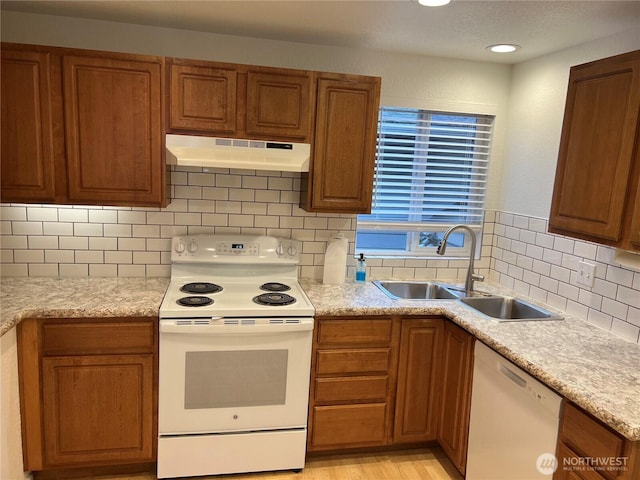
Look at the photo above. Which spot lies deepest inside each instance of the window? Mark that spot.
(431, 171)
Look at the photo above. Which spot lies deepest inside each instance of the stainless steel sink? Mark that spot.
(508, 309)
(414, 290)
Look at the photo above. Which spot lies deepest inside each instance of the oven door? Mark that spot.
(218, 378)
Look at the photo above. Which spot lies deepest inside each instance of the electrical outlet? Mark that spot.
(586, 274)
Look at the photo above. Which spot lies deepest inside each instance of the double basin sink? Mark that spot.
(495, 307)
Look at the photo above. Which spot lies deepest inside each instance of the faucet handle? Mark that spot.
(477, 277)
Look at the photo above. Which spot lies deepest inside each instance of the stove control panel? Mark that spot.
(238, 248)
(225, 248)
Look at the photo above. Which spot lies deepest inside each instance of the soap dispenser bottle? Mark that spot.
(361, 269)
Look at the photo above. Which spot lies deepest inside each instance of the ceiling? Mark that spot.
(460, 30)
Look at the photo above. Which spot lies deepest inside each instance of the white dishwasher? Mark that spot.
(514, 422)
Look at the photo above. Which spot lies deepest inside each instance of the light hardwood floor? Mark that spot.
(419, 464)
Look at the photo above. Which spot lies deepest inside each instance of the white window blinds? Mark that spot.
(431, 170)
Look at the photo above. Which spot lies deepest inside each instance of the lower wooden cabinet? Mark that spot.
(419, 380)
(88, 391)
(455, 400)
(589, 450)
(384, 380)
(353, 374)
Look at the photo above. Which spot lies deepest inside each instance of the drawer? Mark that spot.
(98, 337)
(570, 466)
(354, 331)
(351, 389)
(362, 360)
(353, 425)
(588, 437)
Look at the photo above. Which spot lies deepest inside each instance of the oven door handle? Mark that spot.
(225, 329)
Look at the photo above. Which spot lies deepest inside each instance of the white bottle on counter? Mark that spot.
(335, 260)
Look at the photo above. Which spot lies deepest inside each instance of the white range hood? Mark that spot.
(198, 151)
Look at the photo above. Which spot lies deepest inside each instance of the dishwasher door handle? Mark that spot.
(514, 377)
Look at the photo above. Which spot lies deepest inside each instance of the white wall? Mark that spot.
(536, 108)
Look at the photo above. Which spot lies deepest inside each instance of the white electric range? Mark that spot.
(235, 353)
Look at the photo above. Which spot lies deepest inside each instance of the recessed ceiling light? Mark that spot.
(433, 3)
(503, 48)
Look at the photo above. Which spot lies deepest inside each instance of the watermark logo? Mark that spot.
(547, 463)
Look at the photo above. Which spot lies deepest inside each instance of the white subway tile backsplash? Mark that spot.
(91, 230)
(619, 275)
(118, 230)
(73, 270)
(629, 296)
(517, 251)
(89, 256)
(103, 216)
(36, 241)
(26, 228)
(35, 214)
(625, 330)
(61, 256)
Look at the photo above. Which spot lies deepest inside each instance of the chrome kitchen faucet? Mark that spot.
(468, 283)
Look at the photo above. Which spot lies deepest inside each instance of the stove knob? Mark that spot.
(180, 246)
(280, 250)
(292, 250)
(192, 247)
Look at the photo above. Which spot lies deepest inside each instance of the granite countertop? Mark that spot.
(24, 297)
(591, 367)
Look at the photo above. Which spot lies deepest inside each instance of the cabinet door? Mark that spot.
(203, 99)
(596, 148)
(279, 105)
(453, 429)
(419, 374)
(98, 409)
(341, 173)
(634, 233)
(114, 132)
(27, 170)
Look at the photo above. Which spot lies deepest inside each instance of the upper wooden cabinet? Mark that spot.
(279, 104)
(241, 101)
(202, 99)
(340, 177)
(596, 194)
(81, 126)
(28, 172)
(113, 121)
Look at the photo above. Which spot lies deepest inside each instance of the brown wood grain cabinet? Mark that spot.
(340, 177)
(597, 190)
(27, 168)
(202, 98)
(375, 382)
(113, 125)
(455, 402)
(81, 126)
(419, 381)
(88, 390)
(240, 101)
(353, 368)
(589, 450)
